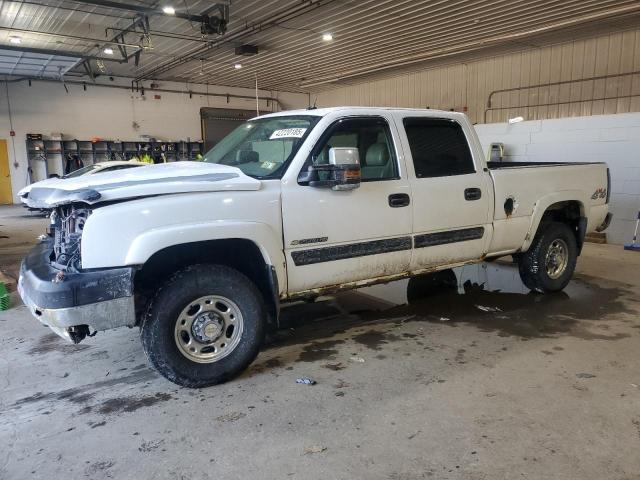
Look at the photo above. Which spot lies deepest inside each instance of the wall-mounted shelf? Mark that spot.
(59, 156)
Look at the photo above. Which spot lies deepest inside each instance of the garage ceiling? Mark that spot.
(35, 64)
(368, 36)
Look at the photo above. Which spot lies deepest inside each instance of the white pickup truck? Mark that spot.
(289, 206)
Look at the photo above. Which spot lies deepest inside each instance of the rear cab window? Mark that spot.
(439, 147)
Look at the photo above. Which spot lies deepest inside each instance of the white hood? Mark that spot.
(49, 182)
(161, 179)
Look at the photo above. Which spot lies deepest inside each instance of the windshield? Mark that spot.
(263, 148)
(80, 171)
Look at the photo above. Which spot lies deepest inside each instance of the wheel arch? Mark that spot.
(241, 254)
(565, 207)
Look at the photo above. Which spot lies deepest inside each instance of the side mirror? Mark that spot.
(496, 152)
(342, 172)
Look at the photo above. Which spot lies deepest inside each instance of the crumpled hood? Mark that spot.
(42, 183)
(161, 179)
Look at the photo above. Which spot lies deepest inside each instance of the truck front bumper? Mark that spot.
(100, 299)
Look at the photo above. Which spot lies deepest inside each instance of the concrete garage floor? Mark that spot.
(537, 387)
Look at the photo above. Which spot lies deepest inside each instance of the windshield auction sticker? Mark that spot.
(288, 133)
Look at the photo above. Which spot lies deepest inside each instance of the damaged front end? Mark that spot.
(67, 223)
(71, 301)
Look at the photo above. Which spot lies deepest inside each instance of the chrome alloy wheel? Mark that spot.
(208, 329)
(557, 258)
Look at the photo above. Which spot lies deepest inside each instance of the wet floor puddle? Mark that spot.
(489, 296)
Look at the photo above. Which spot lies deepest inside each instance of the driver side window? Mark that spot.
(372, 138)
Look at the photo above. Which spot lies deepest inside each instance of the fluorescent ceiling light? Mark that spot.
(169, 10)
(108, 51)
(237, 66)
(15, 39)
(327, 37)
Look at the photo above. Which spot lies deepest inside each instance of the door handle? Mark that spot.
(472, 194)
(399, 200)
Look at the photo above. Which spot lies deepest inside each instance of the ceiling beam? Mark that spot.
(13, 69)
(45, 65)
(62, 35)
(59, 53)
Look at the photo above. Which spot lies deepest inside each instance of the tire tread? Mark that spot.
(195, 276)
(531, 262)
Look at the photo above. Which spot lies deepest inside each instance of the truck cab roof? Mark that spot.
(354, 110)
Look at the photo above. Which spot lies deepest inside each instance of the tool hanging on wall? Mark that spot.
(634, 245)
(72, 163)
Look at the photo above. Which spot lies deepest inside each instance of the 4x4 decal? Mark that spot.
(599, 193)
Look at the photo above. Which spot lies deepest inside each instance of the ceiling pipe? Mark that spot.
(557, 104)
(470, 46)
(118, 40)
(288, 14)
(563, 82)
(175, 36)
(151, 89)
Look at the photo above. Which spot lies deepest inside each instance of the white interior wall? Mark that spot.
(614, 139)
(110, 113)
(465, 85)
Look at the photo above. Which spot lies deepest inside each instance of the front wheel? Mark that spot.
(551, 259)
(204, 326)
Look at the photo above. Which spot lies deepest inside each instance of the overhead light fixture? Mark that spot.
(327, 37)
(108, 51)
(15, 39)
(169, 10)
(237, 66)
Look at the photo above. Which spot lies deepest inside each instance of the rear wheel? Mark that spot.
(204, 326)
(551, 259)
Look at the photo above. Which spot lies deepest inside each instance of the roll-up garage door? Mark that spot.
(218, 122)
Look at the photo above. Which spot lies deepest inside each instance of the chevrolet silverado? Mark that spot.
(290, 206)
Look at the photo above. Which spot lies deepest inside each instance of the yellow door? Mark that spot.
(5, 176)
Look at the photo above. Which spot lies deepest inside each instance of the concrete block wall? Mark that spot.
(614, 139)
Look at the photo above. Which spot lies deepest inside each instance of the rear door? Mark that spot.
(334, 237)
(451, 192)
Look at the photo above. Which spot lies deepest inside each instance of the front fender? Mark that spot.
(152, 241)
(129, 233)
(541, 206)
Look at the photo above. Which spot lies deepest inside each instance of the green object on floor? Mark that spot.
(4, 297)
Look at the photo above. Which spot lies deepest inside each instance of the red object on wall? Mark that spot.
(12, 133)
(157, 97)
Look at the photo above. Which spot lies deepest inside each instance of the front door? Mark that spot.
(335, 237)
(451, 193)
(6, 195)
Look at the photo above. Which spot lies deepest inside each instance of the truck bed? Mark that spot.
(524, 190)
